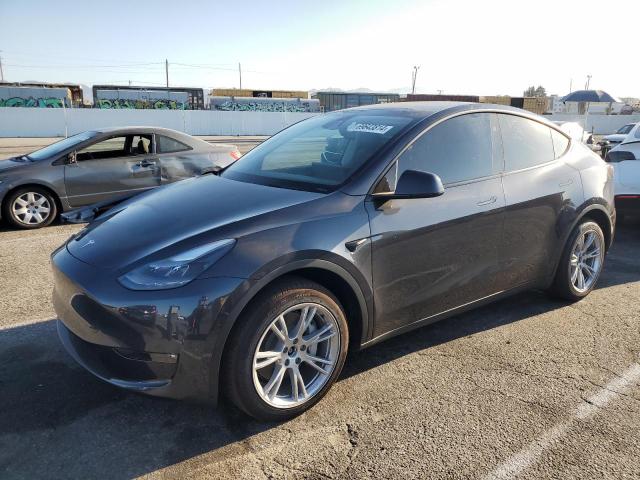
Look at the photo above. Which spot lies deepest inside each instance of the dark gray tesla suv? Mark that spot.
(100, 165)
(338, 232)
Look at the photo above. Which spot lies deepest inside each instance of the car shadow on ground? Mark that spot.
(58, 421)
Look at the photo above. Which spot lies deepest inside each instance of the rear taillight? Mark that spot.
(235, 154)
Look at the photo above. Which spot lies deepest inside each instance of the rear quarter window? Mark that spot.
(169, 145)
(526, 143)
(560, 143)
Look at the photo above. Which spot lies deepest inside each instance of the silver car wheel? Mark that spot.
(31, 208)
(296, 355)
(586, 260)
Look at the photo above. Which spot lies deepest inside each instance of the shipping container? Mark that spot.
(248, 104)
(421, 97)
(245, 92)
(35, 97)
(75, 91)
(330, 101)
(138, 97)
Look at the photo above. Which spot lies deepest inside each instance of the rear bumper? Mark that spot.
(155, 342)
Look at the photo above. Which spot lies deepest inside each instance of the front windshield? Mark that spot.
(626, 129)
(320, 153)
(58, 147)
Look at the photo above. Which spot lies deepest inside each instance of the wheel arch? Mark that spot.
(595, 212)
(330, 275)
(599, 215)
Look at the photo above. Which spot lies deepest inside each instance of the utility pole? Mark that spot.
(240, 74)
(1, 72)
(166, 70)
(570, 85)
(414, 76)
(588, 82)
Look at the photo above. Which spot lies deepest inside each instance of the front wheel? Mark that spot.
(288, 350)
(581, 263)
(30, 207)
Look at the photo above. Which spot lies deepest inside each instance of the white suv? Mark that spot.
(625, 158)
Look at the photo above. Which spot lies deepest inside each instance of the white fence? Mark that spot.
(58, 122)
(601, 124)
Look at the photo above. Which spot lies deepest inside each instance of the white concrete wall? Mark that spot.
(55, 122)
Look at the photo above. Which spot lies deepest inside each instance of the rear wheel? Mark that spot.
(30, 207)
(581, 263)
(288, 350)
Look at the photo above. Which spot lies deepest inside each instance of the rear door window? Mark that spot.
(458, 149)
(526, 143)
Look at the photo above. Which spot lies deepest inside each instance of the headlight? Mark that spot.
(178, 270)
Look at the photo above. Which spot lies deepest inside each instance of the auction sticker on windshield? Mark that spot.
(369, 128)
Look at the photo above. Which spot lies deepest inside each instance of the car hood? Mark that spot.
(615, 137)
(10, 164)
(166, 216)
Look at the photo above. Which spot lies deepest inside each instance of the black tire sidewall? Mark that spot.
(238, 368)
(7, 211)
(563, 286)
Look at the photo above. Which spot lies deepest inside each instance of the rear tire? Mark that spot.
(276, 376)
(29, 208)
(581, 262)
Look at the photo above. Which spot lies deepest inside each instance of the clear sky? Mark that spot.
(485, 47)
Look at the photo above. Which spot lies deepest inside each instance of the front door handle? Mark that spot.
(566, 183)
(488, 201)
(145, 163)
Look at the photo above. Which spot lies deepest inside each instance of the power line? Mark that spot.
(84, 66)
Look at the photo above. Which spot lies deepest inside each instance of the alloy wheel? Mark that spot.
(586, 260)
(296, 355)
(31, 208)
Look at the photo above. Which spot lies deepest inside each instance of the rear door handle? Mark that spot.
(145, 163)
(566, 183)
(488, 201)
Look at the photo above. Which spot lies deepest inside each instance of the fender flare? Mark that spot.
(252, 286)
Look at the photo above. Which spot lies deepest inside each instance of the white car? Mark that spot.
(610, 141)
(625, 158)
(616, 138)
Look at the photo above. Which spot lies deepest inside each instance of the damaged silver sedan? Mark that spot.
(100, 166)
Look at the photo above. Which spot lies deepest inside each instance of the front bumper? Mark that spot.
(156, 342)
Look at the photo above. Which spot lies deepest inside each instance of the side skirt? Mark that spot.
(447, 313)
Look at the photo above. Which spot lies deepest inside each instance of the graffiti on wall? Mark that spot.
(120, 103)
(49, 102)
(263, 105)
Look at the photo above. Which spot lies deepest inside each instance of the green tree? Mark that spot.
(532, 91)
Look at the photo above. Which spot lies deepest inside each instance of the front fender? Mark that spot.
(247, 291)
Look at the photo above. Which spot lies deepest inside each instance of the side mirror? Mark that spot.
(72, 158)
(414, 184)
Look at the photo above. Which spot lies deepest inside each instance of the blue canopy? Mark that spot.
(589, 96)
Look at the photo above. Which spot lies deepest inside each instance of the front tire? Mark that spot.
(288, 350)
(29, 208)
(581, 262)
